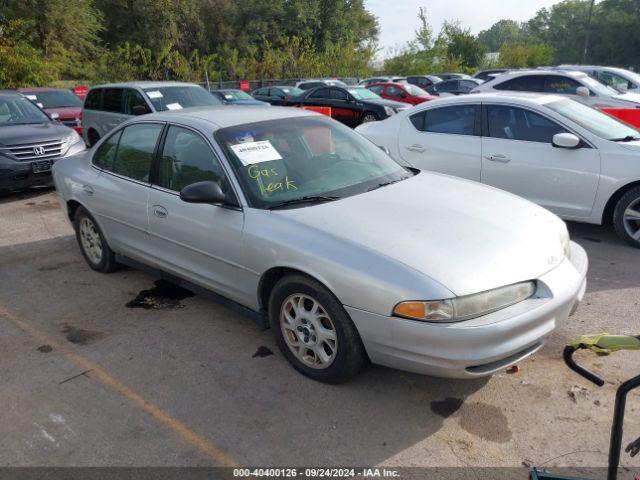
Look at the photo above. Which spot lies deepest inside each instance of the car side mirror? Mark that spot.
(204, 192)
(566, 140)
(139, 110)
(583, 92)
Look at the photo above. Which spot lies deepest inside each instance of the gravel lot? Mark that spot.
(87, 381)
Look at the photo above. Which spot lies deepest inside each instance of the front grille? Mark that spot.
(27, 152)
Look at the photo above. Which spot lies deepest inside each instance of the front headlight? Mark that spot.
(70, 140)
(389, 111)
(465, 308)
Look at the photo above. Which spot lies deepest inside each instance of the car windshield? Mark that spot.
(413, 90)
(292, 91)
(177, 97)
(236, 95)
(290, 159)
(55, 98)
(599, 88)
(20, 111)
(362, 93)
(598, 123)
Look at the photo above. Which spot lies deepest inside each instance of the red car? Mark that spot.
(66, 104)
(401, 92)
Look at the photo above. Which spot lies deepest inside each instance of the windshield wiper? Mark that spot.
(628, 138)
(307, 199)
(384, 184)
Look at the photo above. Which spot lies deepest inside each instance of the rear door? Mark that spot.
(518, 156)
(343, 107)
(444, 139)
(197, 241)
(119, 194)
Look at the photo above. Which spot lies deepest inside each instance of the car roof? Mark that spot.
(11, 93)
(42, 89)
(229, 116)
(544, 71)
(524, 98)
(145, 84)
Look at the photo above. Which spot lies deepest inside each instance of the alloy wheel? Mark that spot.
(308, 331)
(631, 219)
(90, 240)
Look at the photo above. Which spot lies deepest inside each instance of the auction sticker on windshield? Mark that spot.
(255, 152)
(154, 94)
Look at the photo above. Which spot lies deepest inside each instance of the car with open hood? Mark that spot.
(347, 255)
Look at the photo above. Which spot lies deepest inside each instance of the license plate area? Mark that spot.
(42, 166)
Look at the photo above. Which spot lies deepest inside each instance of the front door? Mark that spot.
(443, 139)
(518, 156)
(200, 242)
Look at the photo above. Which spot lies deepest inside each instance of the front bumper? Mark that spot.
(19, 175)
(483, 345)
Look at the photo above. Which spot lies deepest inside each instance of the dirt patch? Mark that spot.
(45, 348)
(447, 407)
(80, 336)
(164, 295)
(479, 419)
(262, 352)
(485, 421)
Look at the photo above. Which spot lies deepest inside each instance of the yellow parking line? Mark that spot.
(204, 446)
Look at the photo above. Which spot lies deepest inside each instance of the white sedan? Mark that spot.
(577, 162)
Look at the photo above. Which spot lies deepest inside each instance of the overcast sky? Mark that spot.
(398, 19)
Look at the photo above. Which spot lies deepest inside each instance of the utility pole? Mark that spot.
(587, 33)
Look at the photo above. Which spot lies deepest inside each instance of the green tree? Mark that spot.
(461, 45)
(501, 32)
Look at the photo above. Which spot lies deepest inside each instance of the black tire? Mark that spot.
(369, 117)
(350, 356)
(626, 228)
(107, 261)
(93, 137)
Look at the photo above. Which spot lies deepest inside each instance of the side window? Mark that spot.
(92, 102)
(135, 150)
(377, 89)
(338, 95)
(320, 93)
(562, 85)
(448, 86)
(526, 83)
(395, 91)
(112, 100)
(276, 92)
(455, 120)
(418, 121)
(186, 159)
(514, 123)
(615, 81)
(134, 104)
(106, 152)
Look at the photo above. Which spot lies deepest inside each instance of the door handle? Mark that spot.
(159, 211)
(415, 148)
(498, 157)
(87, 189)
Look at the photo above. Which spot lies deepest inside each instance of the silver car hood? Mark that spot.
(464, 235)
(629, 97)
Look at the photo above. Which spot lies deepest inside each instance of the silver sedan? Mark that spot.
(349, 256)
